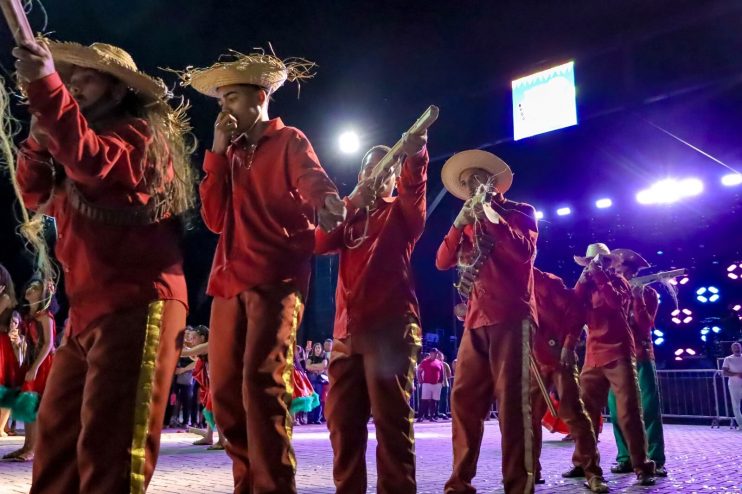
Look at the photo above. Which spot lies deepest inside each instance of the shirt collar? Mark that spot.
(273, 127)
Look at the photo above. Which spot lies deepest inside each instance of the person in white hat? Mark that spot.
(644, 304)
(610, 357)
(109, 158)
(263, 194)
(500, 316)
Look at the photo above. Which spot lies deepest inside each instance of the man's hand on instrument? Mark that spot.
(224, 128)
(33, 61)
(364, 194)
(414, 143)
(332, 213)
(471, 211)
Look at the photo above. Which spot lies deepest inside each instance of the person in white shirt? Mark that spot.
(732, 368)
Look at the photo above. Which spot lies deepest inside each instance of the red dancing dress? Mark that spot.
(27, 402)
(10, 369)
(304, 398)
(201, 375)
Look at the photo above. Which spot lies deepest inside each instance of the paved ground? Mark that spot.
(700, 460)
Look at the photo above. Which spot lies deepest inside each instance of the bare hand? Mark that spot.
(568, 358)
(14, 336)
(364, 194)
(224, 129)
(414, 143)
(468, 214)
(332, 214)
(33, 61)
(31, 374)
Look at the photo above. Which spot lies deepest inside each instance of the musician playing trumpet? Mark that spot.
(377, 321)
(492, 242)
(644, 303)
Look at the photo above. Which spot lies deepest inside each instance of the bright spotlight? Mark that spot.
(669, 191)
(734, 271)
(657, 332)
(683, 316)
(564, 211)
(539, 215)
(707, 294)
(690, 351)
(679, 351)
(731, 179)
(659, 341)
(349, 142)
(681, 281)
(603, 203)
(716, 329)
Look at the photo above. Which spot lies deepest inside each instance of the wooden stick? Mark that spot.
(17, 21)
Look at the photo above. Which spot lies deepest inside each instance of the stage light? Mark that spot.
(603, 203)
(731, 179)
(669, 191)
(736, 307)
(683, 316)
(678, 358)
(690, 351)
(659, 341)
(657, 332)
(349, 142)
(716, 329)
(564, 211)
(681, 281)
(539, 215)
(703, 338)
(707, 294)
(734, 271)
(705, 330)
(679, 351)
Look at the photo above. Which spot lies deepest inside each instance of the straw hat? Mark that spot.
(474, 158)
(631, 258)
(593, 251)
(257, 69)
(109, 59)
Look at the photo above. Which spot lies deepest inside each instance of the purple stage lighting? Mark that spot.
(683, 316)
(734, 271)
(564, 211)
(707, 294)
(603, 203)
(539, 215)
(731, 179)
(669, 191)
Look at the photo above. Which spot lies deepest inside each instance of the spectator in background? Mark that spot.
(9, 364)
(444, 411)
(732, 368)
(328, 348)
(430, 374)
(317, 372)
(183, 387)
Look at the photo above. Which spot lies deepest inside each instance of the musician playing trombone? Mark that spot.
(493, 243)
(377, 321)
(644, 303)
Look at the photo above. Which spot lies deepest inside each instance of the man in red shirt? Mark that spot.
(644, 303)
(263, 187)
(377, 322)
(610, 358)
(106, 156)
(430, 375)
(561, 317)
(493, 243)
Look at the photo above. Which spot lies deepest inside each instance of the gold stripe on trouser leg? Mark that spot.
(145, 386)
(525, 386)
(415, 332)
(287, 377)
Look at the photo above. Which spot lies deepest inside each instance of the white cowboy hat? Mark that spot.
(593, 251)
(474, 158)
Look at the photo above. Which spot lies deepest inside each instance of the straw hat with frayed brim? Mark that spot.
(256, 69)
(475, 158)
(631, 258)
(109, 59)
(593, 251)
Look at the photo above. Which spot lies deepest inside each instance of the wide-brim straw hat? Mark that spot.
(475, 158)
(109, 59)
(593, 251)
(631, 258)
(257, 69)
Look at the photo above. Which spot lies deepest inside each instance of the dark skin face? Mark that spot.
(368, 165)
(243, 102)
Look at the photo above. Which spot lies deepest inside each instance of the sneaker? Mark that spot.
(574, 473)
(597, 484)
(660, 472)
(623, 467)
(645, 479)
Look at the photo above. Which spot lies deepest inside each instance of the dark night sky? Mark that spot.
(675, 63)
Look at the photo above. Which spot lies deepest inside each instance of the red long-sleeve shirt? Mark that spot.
(261, 202)
(561, 317)
(641, 321)
(375, 283)
(608, 299)
(106, 268)
(503, 291)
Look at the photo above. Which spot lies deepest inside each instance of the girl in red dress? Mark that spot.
(38, 335)
(9, 362)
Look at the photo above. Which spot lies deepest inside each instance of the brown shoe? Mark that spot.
(597, 484)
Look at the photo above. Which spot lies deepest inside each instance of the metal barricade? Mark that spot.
(694, 394)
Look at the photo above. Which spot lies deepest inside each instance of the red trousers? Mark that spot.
(372, 373)
(572, 412)
(621, 378)
(251, 358)
(101, 416)
(493, 361)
